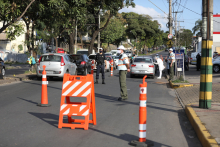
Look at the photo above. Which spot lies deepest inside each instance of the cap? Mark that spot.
(100, 48)
(170, 49)
(121, 47)
(157, 55)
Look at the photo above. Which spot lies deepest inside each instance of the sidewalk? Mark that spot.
(204, 121)
(16, 72)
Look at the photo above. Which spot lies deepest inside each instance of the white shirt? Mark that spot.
(122, 61)
(160, 64)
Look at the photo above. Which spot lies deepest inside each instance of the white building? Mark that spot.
(216, 33)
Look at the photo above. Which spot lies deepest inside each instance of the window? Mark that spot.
(51, 58)
(145, 60)
(92, 57)
(76, 57)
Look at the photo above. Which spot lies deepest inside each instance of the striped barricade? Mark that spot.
(77, 86)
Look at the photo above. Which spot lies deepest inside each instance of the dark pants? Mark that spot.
(123, 86)
(102, 68)
(172, 71)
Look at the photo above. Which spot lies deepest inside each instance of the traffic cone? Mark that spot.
(112, 67)
(92, 67)
(142, 142)
(44, 96)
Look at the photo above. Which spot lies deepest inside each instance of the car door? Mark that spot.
(89, 63)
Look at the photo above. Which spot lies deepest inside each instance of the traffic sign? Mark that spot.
(170, 43)
(170, 36)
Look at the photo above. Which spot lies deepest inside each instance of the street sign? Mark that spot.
(170, 36)
(170, 43)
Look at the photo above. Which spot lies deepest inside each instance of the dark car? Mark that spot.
(82, 62)
(2, 67)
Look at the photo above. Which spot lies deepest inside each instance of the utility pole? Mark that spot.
(176, 26)
(99, 34)
(170, 17)
(205, 95)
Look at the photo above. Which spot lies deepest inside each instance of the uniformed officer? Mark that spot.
(123, 67)
(171, 63)
(100, 60)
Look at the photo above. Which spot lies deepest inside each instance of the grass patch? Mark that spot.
(180, 81)
(14, 63)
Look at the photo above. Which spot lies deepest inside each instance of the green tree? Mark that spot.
(197, 28)
(11, 11)
(186, 37)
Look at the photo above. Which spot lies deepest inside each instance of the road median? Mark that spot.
(179, 85)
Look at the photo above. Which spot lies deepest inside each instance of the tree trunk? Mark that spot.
(55, 38)
(32, 36)
(93, 41)
(80, 36)
(71, 45)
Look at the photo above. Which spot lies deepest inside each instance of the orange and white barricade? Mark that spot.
(111, 67)
(77, 86)
(44, 95)
(142, 117)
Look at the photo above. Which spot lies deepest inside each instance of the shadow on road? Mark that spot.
(30, 101)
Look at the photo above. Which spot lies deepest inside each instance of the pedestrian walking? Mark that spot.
(160, 65)
(101, 65)
(123, 67)
(171, 63)
(168, 64)
(198, 61)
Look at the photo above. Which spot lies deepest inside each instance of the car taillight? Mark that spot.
(151, 65)
(133, 65)
(39, 61)
(191, 58)
(83, 62)
(62, 63)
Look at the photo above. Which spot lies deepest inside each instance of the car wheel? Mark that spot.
(85, 72)
(3, 72)
(39, 78)
(216, 68)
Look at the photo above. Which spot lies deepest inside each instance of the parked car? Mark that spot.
(143, 65)
(114, 52)
(2, 67)
(56, 65)
(216, 64)
(60, 50)
(83, 51)
(128, 53)
(166, 49)
(83, 63)
(193, 59)
(109, 58)
(116, 58)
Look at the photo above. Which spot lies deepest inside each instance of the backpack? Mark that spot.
(33, 61)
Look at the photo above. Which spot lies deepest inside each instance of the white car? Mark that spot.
(216, 64)
(57, 64)
(116, 59)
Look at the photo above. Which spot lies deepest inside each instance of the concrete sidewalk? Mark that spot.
(204, 121)
(16, 72)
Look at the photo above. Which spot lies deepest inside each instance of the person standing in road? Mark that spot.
(123, 67)
(100, 60)
(160, 65)
(171, 63)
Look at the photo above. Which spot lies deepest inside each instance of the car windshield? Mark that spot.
(51, 58)
(108, 54)
(76, 57)
(145, 60)
(83, 52)
(115, 57)
(92, 57)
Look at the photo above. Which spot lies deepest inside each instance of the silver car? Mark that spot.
(56, 65)
(143, 65)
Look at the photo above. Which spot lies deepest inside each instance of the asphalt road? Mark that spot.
(24, 124)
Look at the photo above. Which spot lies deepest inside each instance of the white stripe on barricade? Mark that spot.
(71, 88)
(142, 134)
(143, 103)
(81, 89)
(142, 127)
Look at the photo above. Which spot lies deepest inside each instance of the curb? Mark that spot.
(204, 136)
(7, 80)
(174, 86)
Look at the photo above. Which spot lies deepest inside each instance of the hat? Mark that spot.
(170, 49)
(121, 47)
(157, 55)
(100, 48)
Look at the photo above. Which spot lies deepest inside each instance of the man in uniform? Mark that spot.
(171, 63)
(198, 61)
(100, 60)
(123, 67)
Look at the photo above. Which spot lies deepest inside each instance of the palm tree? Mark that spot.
(198, 28)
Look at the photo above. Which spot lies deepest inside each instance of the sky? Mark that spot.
(191, 13)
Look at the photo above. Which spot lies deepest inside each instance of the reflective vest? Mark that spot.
(123, 59)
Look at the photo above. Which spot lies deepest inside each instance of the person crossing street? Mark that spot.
(123, 67)
(100, 60)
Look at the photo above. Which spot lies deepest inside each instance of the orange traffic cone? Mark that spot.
(142, 118)
(112, 67)
(92, 67)
(44, 97)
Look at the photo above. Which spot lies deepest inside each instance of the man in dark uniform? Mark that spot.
(198, 61)
(100, 60)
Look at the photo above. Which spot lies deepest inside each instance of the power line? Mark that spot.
(158, 7)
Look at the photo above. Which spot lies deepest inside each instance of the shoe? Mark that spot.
(158, 77)
(103, 81)
(96, 82)
(121, 99)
